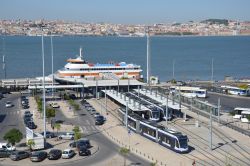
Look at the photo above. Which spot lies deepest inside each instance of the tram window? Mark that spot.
(176, 144)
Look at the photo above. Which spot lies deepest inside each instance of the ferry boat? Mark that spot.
(79, 68)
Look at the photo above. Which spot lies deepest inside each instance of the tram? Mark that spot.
(168, 138)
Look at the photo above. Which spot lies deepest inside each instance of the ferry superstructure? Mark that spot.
(79, 68)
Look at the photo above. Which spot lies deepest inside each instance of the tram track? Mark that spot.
(237, 160)
(197, 159)
(222, 136)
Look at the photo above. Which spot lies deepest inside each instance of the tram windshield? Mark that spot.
(155, 114)
(183, 143)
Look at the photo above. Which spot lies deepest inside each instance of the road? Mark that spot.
(228, 103)
(108, 149)
(10, 117)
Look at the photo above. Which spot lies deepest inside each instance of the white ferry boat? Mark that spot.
(79, 68)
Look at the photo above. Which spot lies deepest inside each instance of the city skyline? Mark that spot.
(125, 12)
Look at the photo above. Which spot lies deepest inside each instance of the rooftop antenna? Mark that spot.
(4, 64)
(148, 56)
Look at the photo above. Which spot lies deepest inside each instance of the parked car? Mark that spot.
(54, 105)
(78, 144)
(99, 120)
(38, 156)
(7, 146)
(8, 104)
(96, 114)
(72, 96)
(85, 141)
(68, 153)
(83, 151)
(54, 154)
(28, 120)
(1, 95)
(27, 113)
(31, 125)
(19, 155)
(4, 153)
(49, 134)
(24, 101)
(25, 106)
(69, 135)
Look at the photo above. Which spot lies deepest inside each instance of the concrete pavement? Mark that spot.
(139, 145)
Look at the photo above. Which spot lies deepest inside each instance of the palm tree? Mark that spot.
(153, 164)
(124, 151)
(58, 127)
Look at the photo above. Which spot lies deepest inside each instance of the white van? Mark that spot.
(238, 112)
(7, 146)
(244, 115)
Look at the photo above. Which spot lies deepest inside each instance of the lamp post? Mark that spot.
(148, 57)
(4, 63)
(106, 100)
(210, 132)
(126, 115)
(166, 110)
(52, 65)
(44, 109)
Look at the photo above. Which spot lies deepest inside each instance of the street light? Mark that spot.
(44, 109)
(166, 110)
(52, 65)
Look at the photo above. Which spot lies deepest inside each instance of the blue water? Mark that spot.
(192, 55)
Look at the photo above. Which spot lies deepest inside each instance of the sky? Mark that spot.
(125, 11)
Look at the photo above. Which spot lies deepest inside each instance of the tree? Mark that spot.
(76, 129)
(232, 113)
(13, 136)
(77, 133)
(76, 107)
(30, 144)
(58, 127)
(153, 164)
(50, 112)
(124, 151)
(39, 103)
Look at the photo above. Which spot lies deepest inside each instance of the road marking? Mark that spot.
(87, 121)
(84, 129)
